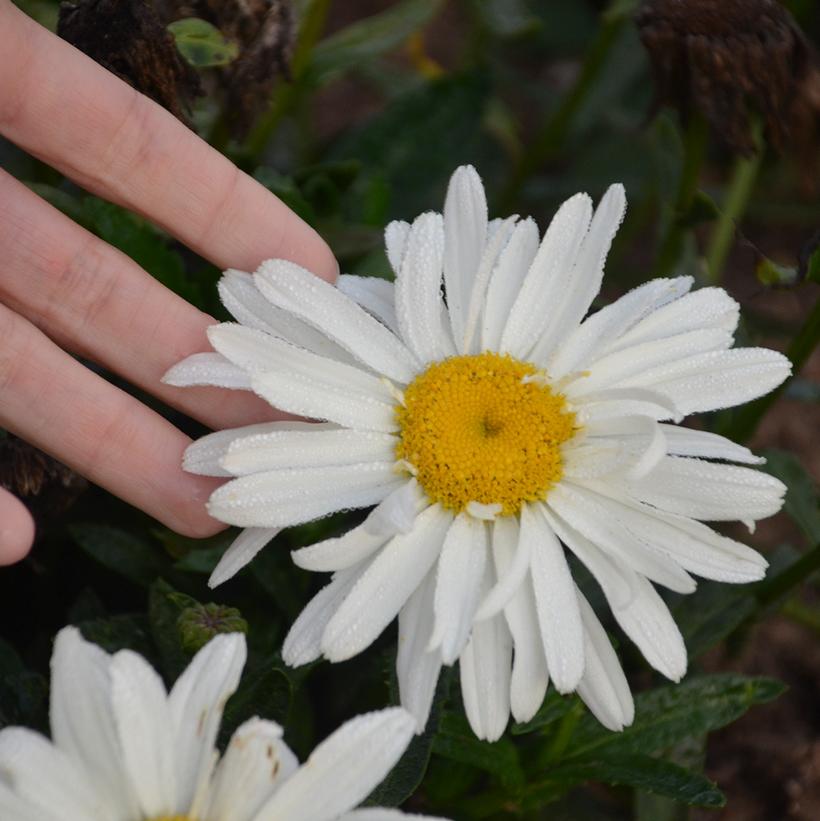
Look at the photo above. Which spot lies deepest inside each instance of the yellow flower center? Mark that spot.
(172, 818)
(474, 429)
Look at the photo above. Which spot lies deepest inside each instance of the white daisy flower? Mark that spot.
(495, 429)
(123, 749)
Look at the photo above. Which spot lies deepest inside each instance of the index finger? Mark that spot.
(63, 108)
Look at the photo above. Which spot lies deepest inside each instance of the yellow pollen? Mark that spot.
(172, 818)
(473, 430)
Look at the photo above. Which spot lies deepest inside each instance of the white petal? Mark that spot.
(637, 607)
(530, 678)
(705, 308)
(604, 688)
(705, 490)
(599, 330)
(82, 723)
(395, 243)
(418, 291)
(584, 282)
(496, 242)
(255, 764)
(691, 544)
(505, 282)
(458, 583)
(196, 702)
(648, 622)
(617, 402)
(343, 769)
(382, 814)
(484, 669)
(616, 584)
(303, 641)
(718, 379)
(556, 603)
(259, 352)
(397, 512)
(541, 293)
(317, 396)
(417, 668)
(631, 445)
(18, 809)
(46, 778)
(618, 369)
(211, 369)
(145, 732)
(485, 512)
(248, 306)
(375, 295)
(308, 445)
(506, 543)
(242, 550)
(282, 498)
(324, 307)
(385, 586)
(465, 234)
(339, 553)
(580, 509)
(688, 442)
(204, 456)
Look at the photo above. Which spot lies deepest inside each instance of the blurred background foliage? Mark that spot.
(355, 113)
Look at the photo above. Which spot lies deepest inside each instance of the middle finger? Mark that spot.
(93, 300)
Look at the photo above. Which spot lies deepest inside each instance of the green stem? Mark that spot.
(741, 424)
(737, 198)
(286, 95)
(553, 132)
(802, 614)
(563, 735)
(694, 150)
(774, 589)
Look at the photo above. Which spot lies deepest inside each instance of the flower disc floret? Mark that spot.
(483, 428)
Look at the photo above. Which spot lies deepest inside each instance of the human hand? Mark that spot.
(63, 291)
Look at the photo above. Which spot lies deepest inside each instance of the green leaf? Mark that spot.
(266, 692)
(813, 268)
(368, 38)
(801, 497)
(417, 141)
(640, 771)
(10, 661)
(119, 551)
(508, 18)
(142, 242)
(165, 605)
(770, 273)
(702, 209)
(287, 190)
(123, 631)
(24, 700)
(201, 44)
(667, 715)
(456, 740)
(406, 776)
(203, 560)
(554, 708)
(710, 614)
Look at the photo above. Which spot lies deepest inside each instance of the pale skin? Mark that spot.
(64, 292)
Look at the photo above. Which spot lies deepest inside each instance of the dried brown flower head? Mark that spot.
(130, 40)
(264, 30)
(46, 486)
(727, 57)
